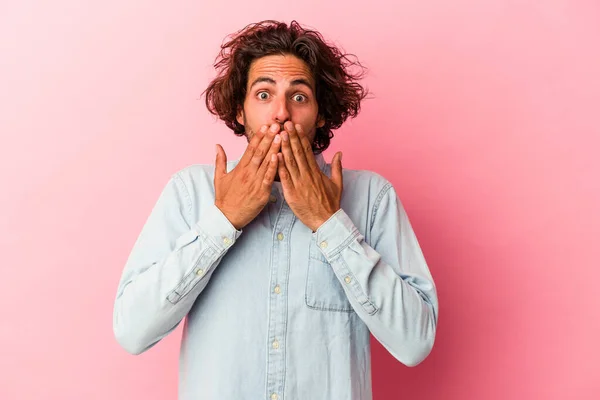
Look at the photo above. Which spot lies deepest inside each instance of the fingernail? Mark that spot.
(274, 128)
(285, 136)
(263, 129)
(277, 139)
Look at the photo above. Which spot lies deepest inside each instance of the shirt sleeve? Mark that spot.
(387, 281)
(170, 264)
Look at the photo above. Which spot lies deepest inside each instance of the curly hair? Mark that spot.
(338, 93)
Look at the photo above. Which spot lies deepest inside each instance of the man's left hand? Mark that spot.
(312, 195)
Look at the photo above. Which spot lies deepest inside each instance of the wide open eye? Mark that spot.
(300, 98)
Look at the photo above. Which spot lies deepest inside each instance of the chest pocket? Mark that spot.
(323, 289)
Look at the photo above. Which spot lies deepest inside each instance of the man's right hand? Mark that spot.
(242, 193)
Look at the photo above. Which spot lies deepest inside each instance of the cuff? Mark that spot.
(335, 233)
(216, 227)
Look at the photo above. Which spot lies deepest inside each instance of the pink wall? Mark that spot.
(485, 119)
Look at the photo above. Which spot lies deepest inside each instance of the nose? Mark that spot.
(281, 113)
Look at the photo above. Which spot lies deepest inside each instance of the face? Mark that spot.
(280, 88)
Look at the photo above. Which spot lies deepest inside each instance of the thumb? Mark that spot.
(336, 170)
(220, 162)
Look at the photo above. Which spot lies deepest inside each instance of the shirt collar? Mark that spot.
(321, 161)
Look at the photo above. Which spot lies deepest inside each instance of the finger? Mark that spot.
(263, 147)
(274, 149)
(336, 171)
(284, 174)
(220, 162)
(270, 172)
(252, 146)
(297, 149)
(291, 164)
(307, 146)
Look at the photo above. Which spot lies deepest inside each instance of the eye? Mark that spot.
(263, 95)
(300, 98)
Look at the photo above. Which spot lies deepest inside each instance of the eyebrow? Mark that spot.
(302, 81)
(295, 82)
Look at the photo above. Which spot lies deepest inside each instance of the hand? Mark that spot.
(311, 195)
(242, 193)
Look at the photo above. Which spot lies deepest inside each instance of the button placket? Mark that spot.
(277, 324)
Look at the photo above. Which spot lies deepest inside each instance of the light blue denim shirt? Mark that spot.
(275, 311)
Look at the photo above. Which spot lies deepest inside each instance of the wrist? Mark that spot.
(230, 217)
(320, 221)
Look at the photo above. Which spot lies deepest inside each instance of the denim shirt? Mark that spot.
(275, 311)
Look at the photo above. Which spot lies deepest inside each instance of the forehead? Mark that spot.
(279, 67)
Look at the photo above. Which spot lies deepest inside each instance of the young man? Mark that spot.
(281, 263)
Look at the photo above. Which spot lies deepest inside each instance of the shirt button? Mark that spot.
(347, 279)
(323, 244)
(226, 240)
(277, 289)
(275, 344)
(273, 199)
(199, 271)
(274, 396)
(280, 236)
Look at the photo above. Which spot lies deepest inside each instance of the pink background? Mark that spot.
(485, 118)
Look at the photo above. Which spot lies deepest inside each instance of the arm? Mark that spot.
(387, 282)
(169, 266)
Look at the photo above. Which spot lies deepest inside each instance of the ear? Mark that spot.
(320, 121)
(240, 116)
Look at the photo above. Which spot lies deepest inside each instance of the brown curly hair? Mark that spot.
(338, 94)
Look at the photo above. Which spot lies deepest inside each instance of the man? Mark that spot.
(281, 263)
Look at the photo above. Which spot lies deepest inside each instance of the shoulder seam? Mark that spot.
(183, 187)
(382, 193)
